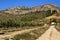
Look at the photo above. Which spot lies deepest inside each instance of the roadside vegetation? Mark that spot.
(32, 35)
(23, 20)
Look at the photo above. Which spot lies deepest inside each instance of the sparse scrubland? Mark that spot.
(32, 35)
(28, 19)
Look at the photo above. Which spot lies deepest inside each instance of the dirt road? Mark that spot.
(50, 34)
(2, 37)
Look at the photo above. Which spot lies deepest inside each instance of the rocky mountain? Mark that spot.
(47, 7)
(23, 10)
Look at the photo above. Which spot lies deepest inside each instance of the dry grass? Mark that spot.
(32, 35)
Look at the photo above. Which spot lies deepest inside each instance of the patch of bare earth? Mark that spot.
(50, 34)
(10, 35)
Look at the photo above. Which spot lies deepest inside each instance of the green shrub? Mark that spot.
(10, 20)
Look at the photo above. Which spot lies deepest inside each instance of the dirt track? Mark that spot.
(50, 34)
(2, 37)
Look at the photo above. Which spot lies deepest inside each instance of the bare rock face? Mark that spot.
(17, 10)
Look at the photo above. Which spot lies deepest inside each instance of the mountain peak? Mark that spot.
(50, 5)
(46, 7)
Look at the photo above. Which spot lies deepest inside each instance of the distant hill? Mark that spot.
(23, 10)
(47, 7)
(24, 16)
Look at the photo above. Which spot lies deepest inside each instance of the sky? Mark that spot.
(4, 4)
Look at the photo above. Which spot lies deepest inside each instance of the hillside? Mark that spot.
(23, 16)
(28, 19)
(23, 10)
(18, 19)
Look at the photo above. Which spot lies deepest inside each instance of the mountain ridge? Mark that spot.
(23, 10)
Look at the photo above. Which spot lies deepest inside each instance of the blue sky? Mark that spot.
(29, 3)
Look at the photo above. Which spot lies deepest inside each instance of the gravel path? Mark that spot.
(50, 34)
